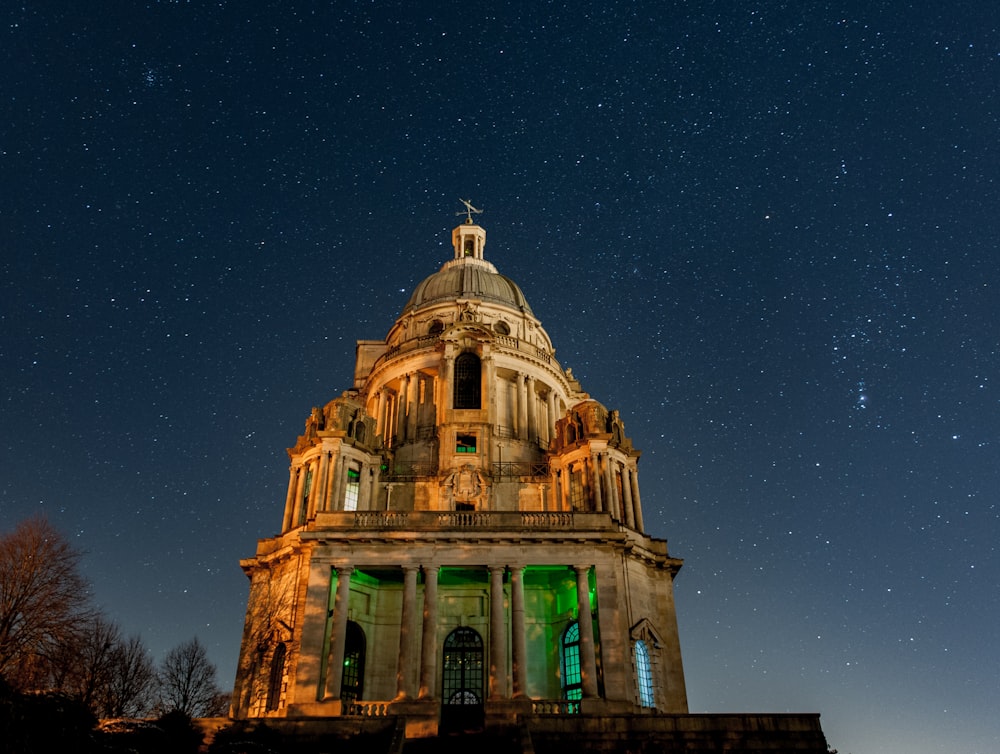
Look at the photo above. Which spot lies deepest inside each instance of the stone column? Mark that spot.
(313, 504)
(529, 393)
(364, 487)
(595, 476)
(323, 493)
(610, 487)
(340, 488)
(636, 505)
(298, 502)
(522, 407)
(552, 413)
(498, 644)
(401, 404)
(338, 634)
(293, 483)
(627, 494)
(428, 649)
(413, 406)
(588, 660)
(444, 402)
(380, 413)
(407, 634)
(519, 660)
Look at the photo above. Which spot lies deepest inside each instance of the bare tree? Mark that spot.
(84, 664)
(43, 601)
(187, 681)
(131, 686)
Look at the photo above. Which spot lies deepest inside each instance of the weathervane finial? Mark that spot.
(469, 210)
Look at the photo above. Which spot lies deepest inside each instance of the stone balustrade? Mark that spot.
(440, 520)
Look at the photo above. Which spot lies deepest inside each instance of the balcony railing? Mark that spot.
(445, 520)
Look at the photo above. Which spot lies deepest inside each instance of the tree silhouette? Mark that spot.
(187, 681)
(44, 603)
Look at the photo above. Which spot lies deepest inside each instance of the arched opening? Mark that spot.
(276, 678)
(468, 381)
(644, 675)
(572, 681)
(462, 680)
(352, 683)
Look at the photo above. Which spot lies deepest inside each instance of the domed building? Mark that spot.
(462, 542)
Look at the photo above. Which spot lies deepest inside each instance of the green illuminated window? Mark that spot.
(572, 682)
(465, 444)
(353, 680)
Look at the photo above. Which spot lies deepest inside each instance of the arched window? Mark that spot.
(353, 489)
(468, 383)
(502, 328)
(462, 676)
(572, 682)
(352, 685)
(644, 673)
(436, 328)
(276, 678)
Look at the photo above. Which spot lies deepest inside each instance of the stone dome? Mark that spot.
(468, 278)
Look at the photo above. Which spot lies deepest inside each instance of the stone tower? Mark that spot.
(463, 536)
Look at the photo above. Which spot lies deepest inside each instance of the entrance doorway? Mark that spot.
(462, 681)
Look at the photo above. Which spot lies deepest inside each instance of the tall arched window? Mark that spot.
(468, 381)
(352, 489)
(352, 683)
(462, 676)
(276, 677)
(644, 673)
(572, 682)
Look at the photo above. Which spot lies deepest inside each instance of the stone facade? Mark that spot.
(462, 538)
(449, 519)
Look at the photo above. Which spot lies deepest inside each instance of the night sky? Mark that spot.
(765, 232)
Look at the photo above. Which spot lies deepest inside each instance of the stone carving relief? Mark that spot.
(467, 486)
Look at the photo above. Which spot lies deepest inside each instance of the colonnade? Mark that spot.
(533, 417)
(417, 661)
(611, 484)
(320, 484)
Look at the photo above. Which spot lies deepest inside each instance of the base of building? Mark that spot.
(524, 733)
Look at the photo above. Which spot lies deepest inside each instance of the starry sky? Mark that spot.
(764, 231)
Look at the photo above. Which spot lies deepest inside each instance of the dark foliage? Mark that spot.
(31, 723)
